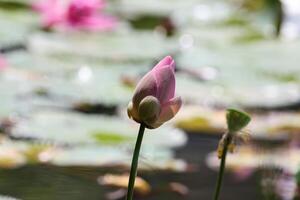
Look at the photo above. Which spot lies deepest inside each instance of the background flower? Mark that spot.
(3, 63)
(75, 14)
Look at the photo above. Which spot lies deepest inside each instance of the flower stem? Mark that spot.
(227, 141)
(134, 163)
(279, 17)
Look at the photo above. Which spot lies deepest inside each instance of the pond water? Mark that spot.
(76, 183)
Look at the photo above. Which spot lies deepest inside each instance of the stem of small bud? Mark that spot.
(227, 142)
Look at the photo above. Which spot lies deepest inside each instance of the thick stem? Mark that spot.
(227, 141)
(134, 163)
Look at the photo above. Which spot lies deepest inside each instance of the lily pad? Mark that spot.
(110, 138)
(4, 197)
(120, 47)
(242, 74)
(79, 129)
(21, 22)
(158, 159)
(68, 83)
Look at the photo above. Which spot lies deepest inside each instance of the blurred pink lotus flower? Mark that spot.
(75, 14)
(3, 63)
(154, 100)
(52, 12)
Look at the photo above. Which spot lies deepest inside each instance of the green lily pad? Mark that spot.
(110, 47)
(19, 153)
(243, 72)
(21, 22)
(150, 159)
(110, 138)
(70, 82)
(133, 8)
(4, 197)
(79, 129)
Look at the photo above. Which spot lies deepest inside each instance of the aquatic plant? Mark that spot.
(153, 104)
(236, 121)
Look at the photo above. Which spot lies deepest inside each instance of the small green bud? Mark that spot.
(149, 110)
(236, 120)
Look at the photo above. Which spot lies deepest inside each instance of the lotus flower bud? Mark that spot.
(154, 100)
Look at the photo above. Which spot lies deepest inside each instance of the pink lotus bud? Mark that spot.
(154, 100)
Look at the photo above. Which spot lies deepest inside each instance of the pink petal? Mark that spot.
(3, 63)
(47, 7)
(92, 5)
(42, 6)
(146, 87)
(169, 110)
(165, 78)
(52, 12)
(83, 14)
(80, 9)
(168, 60)
(51, 20)
(98, 23)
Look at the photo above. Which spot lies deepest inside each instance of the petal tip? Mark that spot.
(169, 60)
(173, 65)
(166, 61)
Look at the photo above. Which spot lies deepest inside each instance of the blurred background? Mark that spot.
(68, 69)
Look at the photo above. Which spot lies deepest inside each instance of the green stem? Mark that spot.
(227, 141)
(278, 18)
(134, 163)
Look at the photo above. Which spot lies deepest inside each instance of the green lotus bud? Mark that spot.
(149, 109)
(236, 120)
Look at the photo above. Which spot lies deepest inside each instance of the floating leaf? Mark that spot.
(110, 138)
(75, 128)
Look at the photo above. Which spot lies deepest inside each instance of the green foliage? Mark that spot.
(146, 22)
(250, 36)
(297, 176)
(13, 5)
(110, 137)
